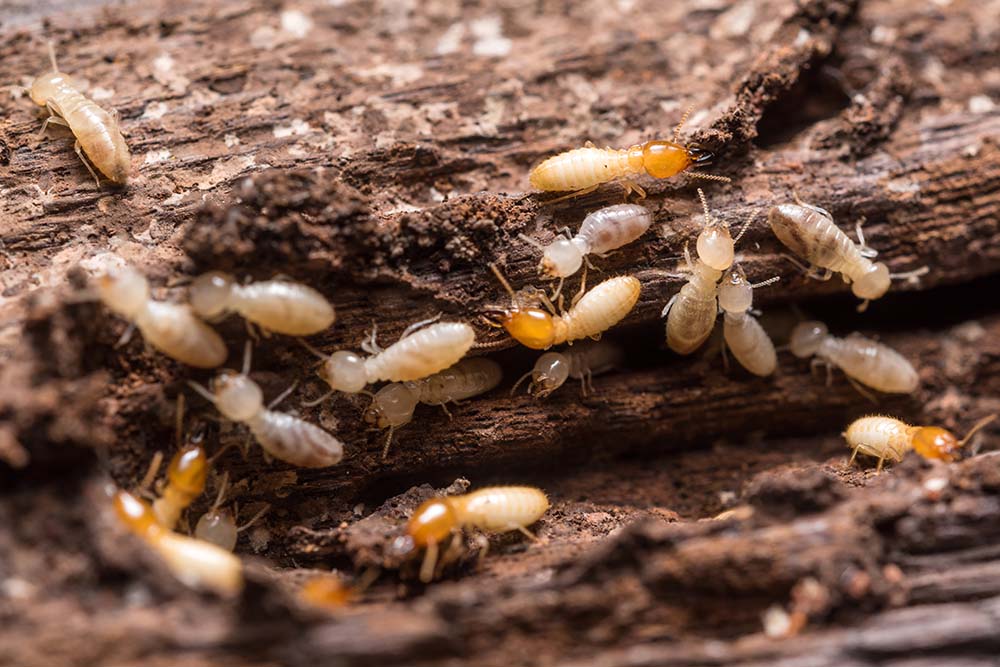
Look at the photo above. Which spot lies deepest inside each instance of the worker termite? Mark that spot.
(809, 232)
(889, 439)
(393, 405)
(743, 334)
(98, 136)
(580, 362)
(283, 436)
(218, 525)
(602, 231)
(418, 353)
(276, 305)
(583, 170)
(494, 509)
(195, 563)
(169, 327)
(594, 313)
(872, 364)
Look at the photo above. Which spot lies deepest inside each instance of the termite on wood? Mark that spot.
(594, 313)
(98, 136)
(743, 334)
(583, 170)
(393, 405)
(280, 306)
(195, 563)
(494, 509)
(889, 439)
(580, 362)
(872, 364)
(169, 327)
(218, 525)
(283, 436)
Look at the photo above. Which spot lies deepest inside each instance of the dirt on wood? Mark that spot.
(379, 152)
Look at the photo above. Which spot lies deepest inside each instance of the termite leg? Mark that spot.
(252, 332)
(582, 290)
(54, 119)
(445, 408)
(573, 195)
(527, 533)
(725, 356)
(79, 153)
(863, 306)
(558, 293)
(247, 358)
(519, 381)
(147, 479)
(630, 187)
(126, 336)
(861, 390)
(670, 304)
(854, 455)
(371, 345)
(430, 561)
(417, 325)
(878, 468)
(863, 248)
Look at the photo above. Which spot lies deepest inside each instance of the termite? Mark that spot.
(743, 334)
(583, 170)
(594, 313)
(169, 327)
(195, 563)
(393, 405)
(418, 353)
(809, 232)
(280, 306)
(283, 436)
(218, 525)
(872, 364)
(97, 134)
(580, 362)
(602, 231)
(494, 509)
(889, 439)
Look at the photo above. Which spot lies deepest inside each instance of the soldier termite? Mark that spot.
(418, 353)
(809, 232)
(218, 525)
(281, 306)
(169, 327)
(494, 509)
(98, 136)
(195, 563)
(594, 313)
(743, 334)
(872, 364)
(580, 362)
(583, 170)
(393, 405)
(889, 439)
(283, 436)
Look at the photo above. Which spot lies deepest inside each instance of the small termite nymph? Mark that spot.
(583, 170)
(98, 136)
(393, 405)
(743, 334)
(495, 509)
(594, 313)
(889, 439)
(169, 327)
(872, 364)
(195, 563)
(275, 305)
(580, 362)
(602, 231)
(218, 526)
(809, 232)
(283, 436)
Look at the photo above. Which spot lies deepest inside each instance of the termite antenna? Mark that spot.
(704, 206)
(313, 403)
(745, 227)
(684, 118)
(503, 281)
(710, 177)
(205, 393)
(976, 428)
(247, 355)
(221, 495)
(911, 276)
(52, 56)
(530, 241)
(519, 381)
(179, 425)
(313, 350)
(264, 510)
(765, 283)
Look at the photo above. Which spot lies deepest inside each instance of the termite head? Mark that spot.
(432, 522)
(934, 442)
(663, 159)
(123, 290)
(735, 292)
(524, 320)
(392, 406)
(136, 514)
(218, 526)
(561, 258)
(237, 396)
(188, 470)
(46, 86)
(715, 246)
(550, 372)
(210, 294)
(344, 371)
(807, 337)
(873, 283)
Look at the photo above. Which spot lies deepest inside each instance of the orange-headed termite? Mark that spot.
(98, 136)
(280, 306)
(580, 362)
(889, 439)
(169, 327)
(743, 334)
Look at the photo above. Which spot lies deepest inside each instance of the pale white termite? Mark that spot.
(281, 306)
(194, 562)
(393, 405)
(98, 136)
(602, 231)
(494, 509)
(580, 362)
(418, 353)
(169, 327)
(872, 364)
(743, 334)
(809, 232)
(889, 439)
(283, 436)
(218, 525)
